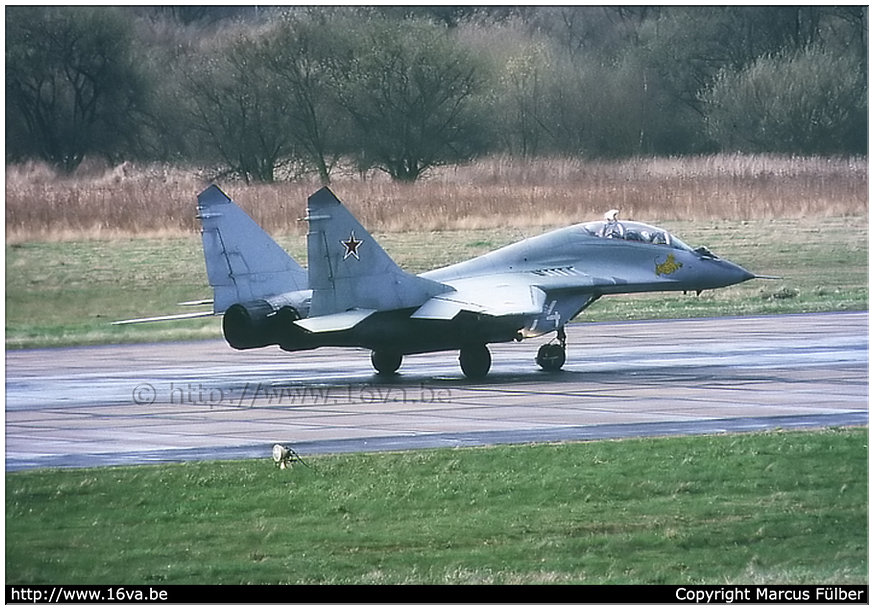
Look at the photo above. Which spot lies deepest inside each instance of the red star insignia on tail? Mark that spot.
(351, 245)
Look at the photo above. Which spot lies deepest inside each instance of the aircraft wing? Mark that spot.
(500, 295)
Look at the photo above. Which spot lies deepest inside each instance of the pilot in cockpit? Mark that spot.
(613, 228)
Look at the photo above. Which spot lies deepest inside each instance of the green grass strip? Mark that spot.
(778, 507)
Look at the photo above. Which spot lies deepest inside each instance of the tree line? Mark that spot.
(269, 93)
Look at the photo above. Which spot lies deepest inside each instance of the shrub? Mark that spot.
(808, 102)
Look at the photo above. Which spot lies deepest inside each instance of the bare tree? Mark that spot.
(72, 87)
(296, 56)
(410, 90)
(235, 105)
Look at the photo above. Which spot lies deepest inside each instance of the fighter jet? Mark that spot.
(352, 294)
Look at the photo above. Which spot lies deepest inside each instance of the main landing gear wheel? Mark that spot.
(551, 356)
(475, 361)
(386, 363)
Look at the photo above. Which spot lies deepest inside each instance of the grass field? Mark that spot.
(117, 243)
(68, 292)
(780, 507)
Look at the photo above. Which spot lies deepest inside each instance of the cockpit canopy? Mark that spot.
(633, 231)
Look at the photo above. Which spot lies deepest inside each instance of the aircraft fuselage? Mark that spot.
(571, 265)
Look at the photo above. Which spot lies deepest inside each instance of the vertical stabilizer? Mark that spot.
(349, 270)
(243, 262)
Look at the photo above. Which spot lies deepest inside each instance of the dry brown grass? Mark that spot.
(157, 200)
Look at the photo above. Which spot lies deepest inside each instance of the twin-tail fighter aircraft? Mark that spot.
(352, 294)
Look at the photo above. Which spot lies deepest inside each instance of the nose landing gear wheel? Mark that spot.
(386, 363)
(551, 357)
(475, 361)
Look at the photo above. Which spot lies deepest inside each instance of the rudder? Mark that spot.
(348, 269)
(243, 262)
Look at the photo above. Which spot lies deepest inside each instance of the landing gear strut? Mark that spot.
(551, 356)
(386, 363)
(475, 361)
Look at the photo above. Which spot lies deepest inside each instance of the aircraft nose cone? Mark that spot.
(733, 274)
(719, 273)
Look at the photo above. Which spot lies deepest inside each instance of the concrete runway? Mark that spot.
(126, 404)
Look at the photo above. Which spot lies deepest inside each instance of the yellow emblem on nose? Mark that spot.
(668, 267)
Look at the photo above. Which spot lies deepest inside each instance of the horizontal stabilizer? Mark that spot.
(170, 318)
(335, 321)
(196, 303)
